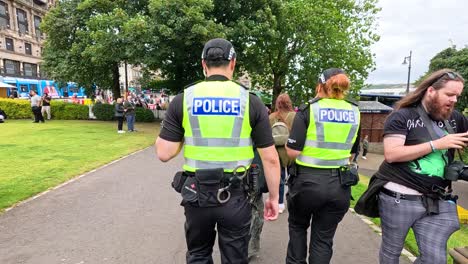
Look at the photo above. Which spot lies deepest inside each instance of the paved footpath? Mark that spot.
(127, 213)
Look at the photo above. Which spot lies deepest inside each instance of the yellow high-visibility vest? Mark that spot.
(331, 134)
(217, 126)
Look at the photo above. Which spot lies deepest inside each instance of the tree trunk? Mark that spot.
(277, 89)
(115, 81)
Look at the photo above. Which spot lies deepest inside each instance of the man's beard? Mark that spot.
(438, 110)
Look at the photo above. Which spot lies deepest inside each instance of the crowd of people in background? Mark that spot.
(153, 101)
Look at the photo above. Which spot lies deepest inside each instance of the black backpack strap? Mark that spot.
(427, 122)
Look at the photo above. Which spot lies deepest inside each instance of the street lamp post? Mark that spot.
(126, 81)
(409, 70)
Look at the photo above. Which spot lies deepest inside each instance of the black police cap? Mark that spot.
(228, 50)
(328, 73)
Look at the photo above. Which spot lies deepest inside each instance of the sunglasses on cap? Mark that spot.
(451, 76)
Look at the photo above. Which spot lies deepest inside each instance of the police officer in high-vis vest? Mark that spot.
(323, 135)
(217, 122)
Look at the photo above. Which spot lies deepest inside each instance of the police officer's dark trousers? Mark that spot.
(315, 199)
(232, 220)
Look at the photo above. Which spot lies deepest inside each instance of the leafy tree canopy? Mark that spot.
(87, 40)
(456, 60)
(289, 43)
(283, 45)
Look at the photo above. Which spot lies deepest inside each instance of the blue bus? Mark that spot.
(23, 86)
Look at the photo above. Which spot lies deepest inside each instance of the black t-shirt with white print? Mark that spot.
(407, 122)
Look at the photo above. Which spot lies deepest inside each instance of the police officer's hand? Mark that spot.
(457, 141)
(270, 212)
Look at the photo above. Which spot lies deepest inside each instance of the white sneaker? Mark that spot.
(364, 158)
(281, 208)
(121, 131)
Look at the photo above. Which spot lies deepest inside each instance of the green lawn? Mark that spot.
(458, 239)
(36, 156)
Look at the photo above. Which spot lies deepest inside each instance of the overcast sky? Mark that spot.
(424, 26)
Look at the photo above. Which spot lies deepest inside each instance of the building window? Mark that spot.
(24, 88)
(28, 48)
(22, 21)
(11, 66)
(30, 69)
(33, 87)
(37, 23)
(4, 16)
(9, 44)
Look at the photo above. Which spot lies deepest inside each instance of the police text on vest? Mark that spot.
(337, 115)
(216, 106)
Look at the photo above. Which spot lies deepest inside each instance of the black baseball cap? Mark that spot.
(228, 50)
(328, 73)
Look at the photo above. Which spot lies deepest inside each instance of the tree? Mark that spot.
(283, 45)
(178, 31)
(287, 44)
(456, 60)
(88, 40)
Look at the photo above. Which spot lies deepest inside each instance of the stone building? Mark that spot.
(21, 39)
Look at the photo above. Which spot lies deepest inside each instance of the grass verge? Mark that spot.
(38, 156)
(458, 239)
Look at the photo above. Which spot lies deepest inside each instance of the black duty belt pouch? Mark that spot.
(349, 176)
(209, 182)
(189, 190)
(179, 179)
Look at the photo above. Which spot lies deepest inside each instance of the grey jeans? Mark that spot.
(431, 231)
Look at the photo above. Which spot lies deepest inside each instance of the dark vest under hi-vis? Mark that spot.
(217, 126)
(331, 134)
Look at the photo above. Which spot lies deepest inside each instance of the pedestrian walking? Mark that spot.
(412, 188)
(46, 105)
(36, 107)
(321, 139)
(217, 121)
(281, 120)
(365, 146)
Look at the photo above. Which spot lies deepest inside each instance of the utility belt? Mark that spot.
(212, 187)
(348, 175)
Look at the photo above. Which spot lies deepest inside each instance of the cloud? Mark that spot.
(424, 27)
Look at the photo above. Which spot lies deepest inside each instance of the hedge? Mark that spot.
(21, 109)
(16, 108)
(143, 115)
(68, 111)
(106, 112)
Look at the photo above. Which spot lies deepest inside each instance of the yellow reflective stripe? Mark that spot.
(353, 131)
(226, 165)
(218, 153)
(322, 162)
(218, 142)
(328, 145)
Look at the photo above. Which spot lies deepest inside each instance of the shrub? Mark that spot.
(16, 108)
(67, 111)
(104, 112)
(144, 115)
(21, 109)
